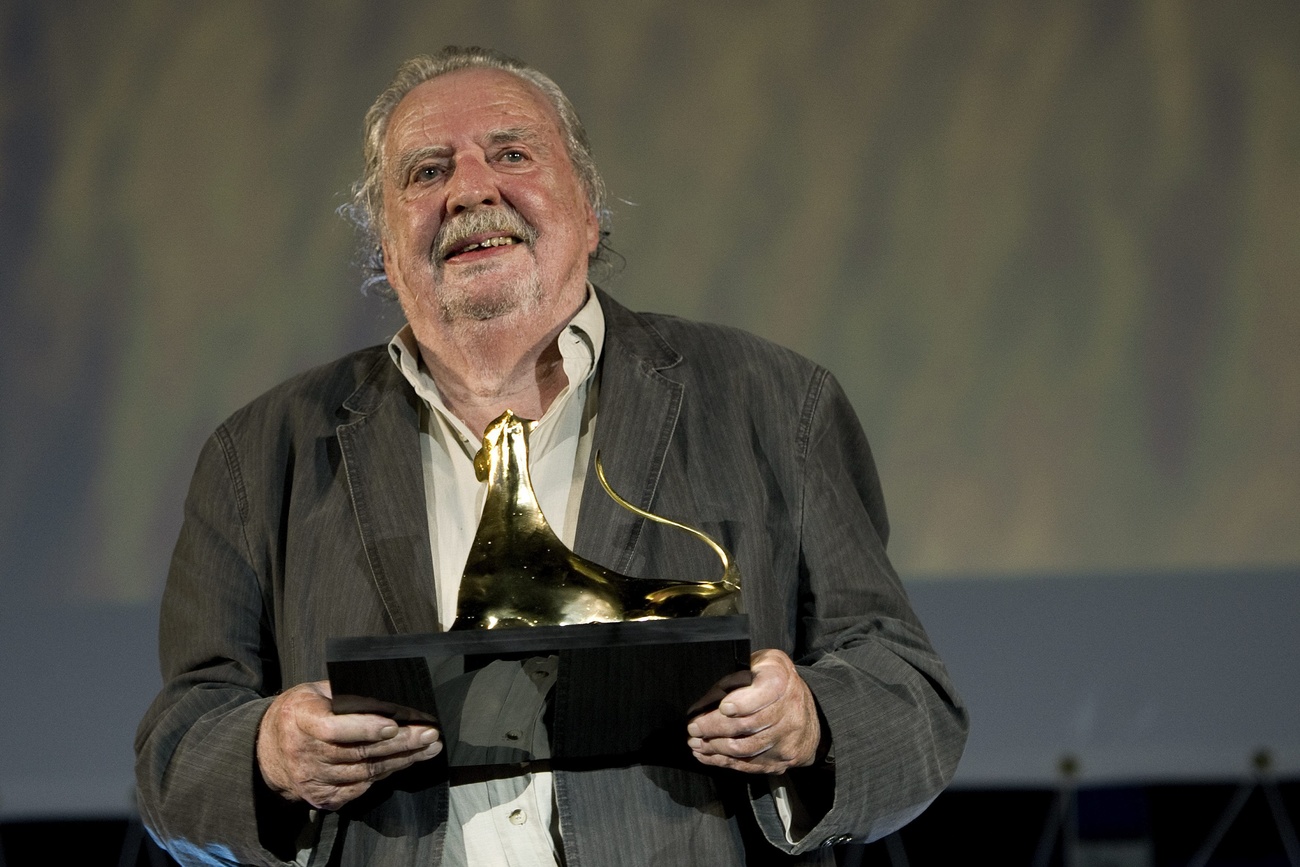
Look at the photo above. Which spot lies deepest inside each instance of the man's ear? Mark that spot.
(593, 230)
(390, 272)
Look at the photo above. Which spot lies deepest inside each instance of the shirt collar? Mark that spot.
(580, 344)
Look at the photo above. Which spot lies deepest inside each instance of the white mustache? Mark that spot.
(465, 225)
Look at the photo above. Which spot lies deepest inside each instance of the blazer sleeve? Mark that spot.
(896, 722)
(199, 788)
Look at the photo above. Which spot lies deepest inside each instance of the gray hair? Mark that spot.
(365, 209)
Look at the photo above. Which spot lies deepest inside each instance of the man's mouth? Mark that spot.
(483, 244)
(481, 233)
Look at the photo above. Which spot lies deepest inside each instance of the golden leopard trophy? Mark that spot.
(519, 573)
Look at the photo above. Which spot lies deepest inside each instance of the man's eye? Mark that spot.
(426, 173)
(513, 156)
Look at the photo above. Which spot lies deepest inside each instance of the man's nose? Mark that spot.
(472, 185)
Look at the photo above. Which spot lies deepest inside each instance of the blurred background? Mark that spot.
(1051, 251)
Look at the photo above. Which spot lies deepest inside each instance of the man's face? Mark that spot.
(483, 213)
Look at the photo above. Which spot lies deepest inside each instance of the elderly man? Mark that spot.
(344, 502)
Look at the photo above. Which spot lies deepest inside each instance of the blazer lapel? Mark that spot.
(381, 456)
(638, 412)
(637, 417)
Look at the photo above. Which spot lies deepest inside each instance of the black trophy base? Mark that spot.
(622, 689)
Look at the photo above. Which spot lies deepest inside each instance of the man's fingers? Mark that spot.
(737, 748)
(408, 739)
(773, 673)
(377, 769)
(372, 769)
(738, 716)
(758, 765)
(337, 785)
(716, 725)
(348, 728)
(311, 711)
(768, 726)
(751, 700)
(306, 752)
(718, 692)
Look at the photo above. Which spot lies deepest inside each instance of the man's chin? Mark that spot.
(477, 310)
(483, 305)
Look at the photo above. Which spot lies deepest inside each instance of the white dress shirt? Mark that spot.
(504, 814)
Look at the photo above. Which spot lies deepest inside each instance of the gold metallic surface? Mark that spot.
(519, 573)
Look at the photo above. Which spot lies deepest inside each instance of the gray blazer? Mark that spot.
(305, 520)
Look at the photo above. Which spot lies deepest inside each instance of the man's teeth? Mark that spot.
(490, 242)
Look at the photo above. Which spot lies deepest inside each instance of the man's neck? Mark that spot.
(484, 367)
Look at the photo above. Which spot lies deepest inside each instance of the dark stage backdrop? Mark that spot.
(1051, 250)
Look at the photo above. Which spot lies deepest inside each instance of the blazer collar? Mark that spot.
(381, 459)
(640, 402)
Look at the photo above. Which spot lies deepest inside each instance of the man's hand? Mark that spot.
(767, 727)
(307, 753)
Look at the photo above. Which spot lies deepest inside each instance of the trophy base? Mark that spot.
(622, 689)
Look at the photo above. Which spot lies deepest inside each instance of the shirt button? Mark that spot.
(512, 735)
(518, 817)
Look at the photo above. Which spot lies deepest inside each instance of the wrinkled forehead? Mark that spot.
(469, 105)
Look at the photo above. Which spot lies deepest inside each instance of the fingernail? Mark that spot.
(727, 708)
(428, 736)
(695, 743)
(388, 732)
(693, 730)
